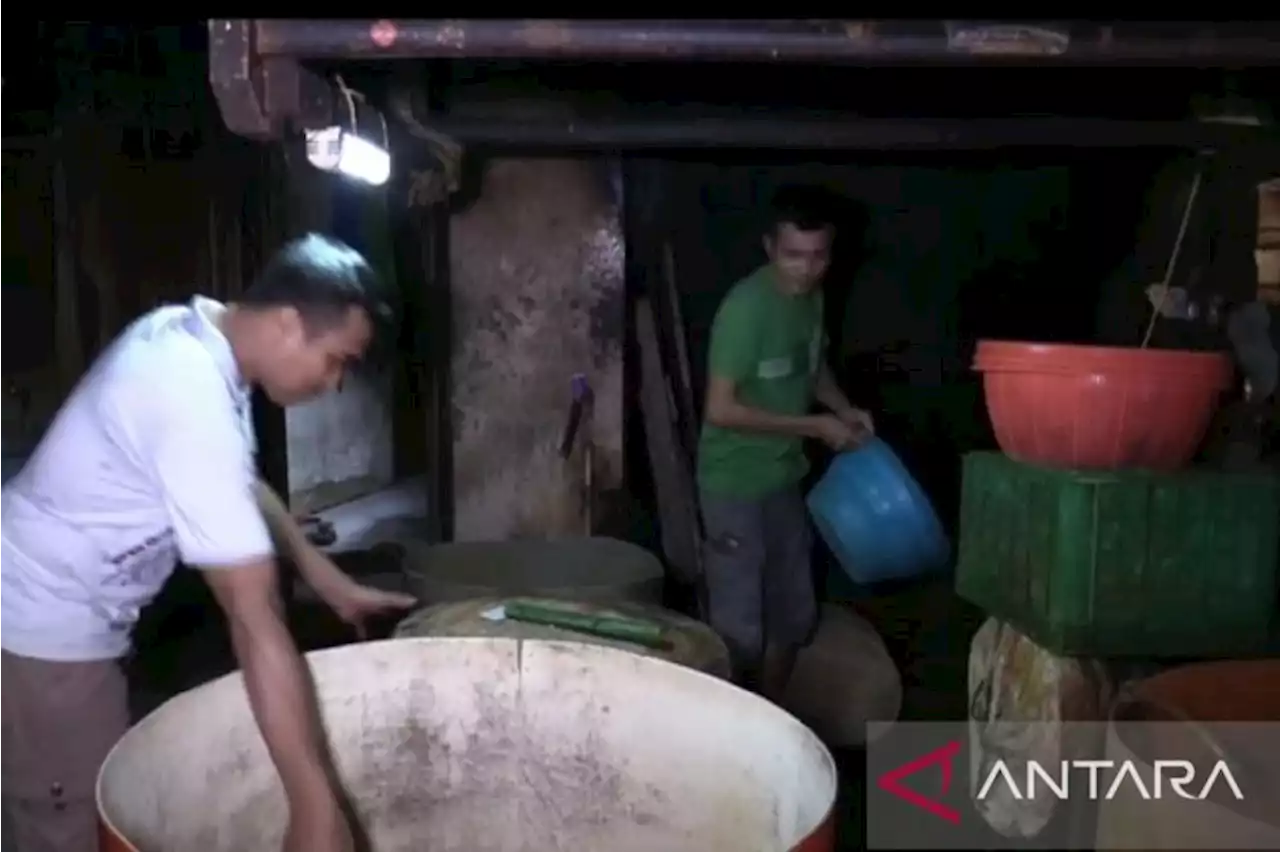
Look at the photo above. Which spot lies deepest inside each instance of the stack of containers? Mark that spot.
(1094, 550)
(1088, 534)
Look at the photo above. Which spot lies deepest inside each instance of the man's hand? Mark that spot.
(834, 432)
(355, 603)
(352, 602)
(859, 421)
(321, 827)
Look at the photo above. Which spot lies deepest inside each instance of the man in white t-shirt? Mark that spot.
(150, 461)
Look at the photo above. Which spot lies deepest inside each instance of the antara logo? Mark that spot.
(1102, 779)
(1107, 777)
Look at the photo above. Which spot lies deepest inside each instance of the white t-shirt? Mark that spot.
(150, 460)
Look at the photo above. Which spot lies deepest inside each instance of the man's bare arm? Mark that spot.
(723, 409)
(284, 527)
(319, 571)
(827, 391)
(279, 686)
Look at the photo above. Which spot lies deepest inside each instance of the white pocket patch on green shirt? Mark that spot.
(774, 368)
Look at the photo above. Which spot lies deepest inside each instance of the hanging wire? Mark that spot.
(1172, 266)
(351, 101)
(430, 186)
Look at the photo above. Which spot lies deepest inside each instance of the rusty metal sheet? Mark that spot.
(980, 39)
(582, 39)
(258, 95)
(234, 77)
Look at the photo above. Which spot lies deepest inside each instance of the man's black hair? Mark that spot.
(808, 208)
(324, 279)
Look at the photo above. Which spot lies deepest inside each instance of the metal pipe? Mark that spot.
(770, 41)
(781, 132)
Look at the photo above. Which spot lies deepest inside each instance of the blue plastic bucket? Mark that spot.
(876, 518)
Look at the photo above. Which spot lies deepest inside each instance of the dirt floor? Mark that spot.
(182, 643)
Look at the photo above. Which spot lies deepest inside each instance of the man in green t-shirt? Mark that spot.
(766, 369)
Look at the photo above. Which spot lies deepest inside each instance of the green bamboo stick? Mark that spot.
(639, 631)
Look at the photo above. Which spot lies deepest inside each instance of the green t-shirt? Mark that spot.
(770, 344)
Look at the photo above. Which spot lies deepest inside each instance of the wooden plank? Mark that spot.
(672, 476)
(686, 405)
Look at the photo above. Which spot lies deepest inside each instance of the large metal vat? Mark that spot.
(487, 745)
(1201, 713)
(579, 569)
(687, 642)
(844, 679)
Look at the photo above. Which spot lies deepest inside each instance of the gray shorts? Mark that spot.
(60, 720)
(757, 569)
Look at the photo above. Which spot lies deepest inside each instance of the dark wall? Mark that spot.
(934, 254)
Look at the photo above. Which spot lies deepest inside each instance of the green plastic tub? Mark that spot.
(1117, 564)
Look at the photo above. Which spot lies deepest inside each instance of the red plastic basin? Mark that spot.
(1097, 407)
